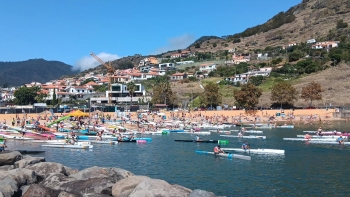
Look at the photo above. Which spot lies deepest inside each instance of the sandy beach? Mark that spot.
(264, 115)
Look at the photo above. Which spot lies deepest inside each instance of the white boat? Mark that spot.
(328, 142)
(286, 126)
(104, 142)
(48, 141)
(252, 131)
(309, 131)
(216, 131)
(197, 132)
(15, 137)
(302, 139)
(247, 136)
(324, 137)
(259, 150)
(228, 155)
(78, 145)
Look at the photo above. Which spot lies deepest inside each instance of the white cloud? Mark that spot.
(179, 42)
(88, 62)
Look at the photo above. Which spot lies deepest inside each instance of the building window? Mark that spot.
(72, 90)
(82, 91)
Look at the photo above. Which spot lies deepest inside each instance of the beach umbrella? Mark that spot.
(78, 113)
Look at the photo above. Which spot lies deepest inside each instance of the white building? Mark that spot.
(207, 67)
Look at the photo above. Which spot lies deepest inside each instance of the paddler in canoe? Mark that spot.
(217, 149)
(197, 138)
(340, 139)
(245, 146)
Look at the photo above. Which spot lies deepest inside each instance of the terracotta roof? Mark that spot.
(92, 83)
(178, 74)
(49, 87)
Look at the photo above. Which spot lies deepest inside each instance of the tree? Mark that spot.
(131, 89)
(211, 94)
(197, 45)
(311, 92)
(162, 92)
(26, 96)
(341, 24)
(257, 80)
(54, 97)
(248, 96)
(283, 93)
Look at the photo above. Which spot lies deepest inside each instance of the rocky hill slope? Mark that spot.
(311, 19)
(38, 70)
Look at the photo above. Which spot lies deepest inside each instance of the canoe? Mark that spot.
(302, 139)
(11, 137)
(259, 150)
(228, 155)
(197, 132)
(330, 133)
(48, 141)
(221, 142)
(68, 146)
(286, 126)
(248, 136)
(323, 137)
(145, 138)
(252, 131)
(177, 130)
(328, 142)
(216, 131)
(133, 141)
(104, 142)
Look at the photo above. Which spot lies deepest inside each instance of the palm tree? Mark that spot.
(131, 89)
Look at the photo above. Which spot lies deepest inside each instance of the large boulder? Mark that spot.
(136, 186)
(201, 193)
(21, 175)
(40, 191)
(55, 181)
(7, 168)
(70, 171)
(9, 158)
(66, 194)
(94, 185)
(98, 172)
(43, 169)
(28, 160)
(8, 187)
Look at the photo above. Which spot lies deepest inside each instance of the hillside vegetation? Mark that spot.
(34, 70)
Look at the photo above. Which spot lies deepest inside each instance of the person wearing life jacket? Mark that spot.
(307, 136)
(217, 149)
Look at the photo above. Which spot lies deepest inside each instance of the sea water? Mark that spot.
(304, 170)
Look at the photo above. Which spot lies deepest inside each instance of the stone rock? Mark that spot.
(70, 171)
(98, 172)
(8, 187)
(55, 181)
(66, 194)
(93, 185)
(28, 160)
(201, 193)
(9, 158)
(21, 175)
(24, 188)
(43, 169)
(136, 186)
(40, 191)
(7, 168)
(96, 195)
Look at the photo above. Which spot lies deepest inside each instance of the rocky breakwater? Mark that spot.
(34, 177)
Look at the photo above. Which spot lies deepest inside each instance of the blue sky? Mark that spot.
(68, 30)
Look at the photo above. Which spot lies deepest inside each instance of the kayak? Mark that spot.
(286, 126)
(221, 142)
(302, 139)
(177, 130)
(252, 131)
(323, 137)
(197, 132)
(48, 141)
(146, 138)
(10, 137)
(228, 155)
(104, 142)
(327, 142)
(248, 136)
(68, 146)
(259, 150)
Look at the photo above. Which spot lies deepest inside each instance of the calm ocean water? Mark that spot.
(304, 170)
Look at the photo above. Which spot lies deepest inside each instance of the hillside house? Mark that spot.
(311, 41)
(240, 78)
(325, 45)
(175, 55)
(79, 90)
(167, 66)
(178, 76)
(184, 62)
(207, 67)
